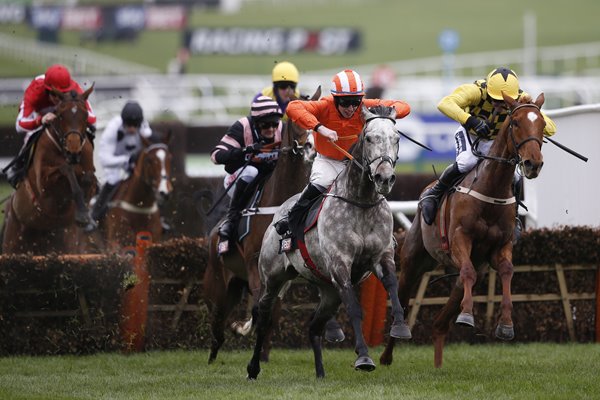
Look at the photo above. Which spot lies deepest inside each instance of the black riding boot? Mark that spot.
(101, 204)
(430, 198)
(234, 213)
(16, 171)
(517, 186)
(290, 222)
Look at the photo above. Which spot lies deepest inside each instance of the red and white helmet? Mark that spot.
(58, 77)
(347, 83)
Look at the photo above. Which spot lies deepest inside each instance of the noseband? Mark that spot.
(147, 150)
(364, 165)
(61, 144)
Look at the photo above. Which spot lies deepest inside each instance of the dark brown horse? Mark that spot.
(227, 276)
(48, 208)
(135, 206)
(476, 223)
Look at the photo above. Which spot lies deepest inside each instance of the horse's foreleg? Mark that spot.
(441, 324)
(363, 362)
(461, 255)
(505, 329)
(387, 276)
(82, 216)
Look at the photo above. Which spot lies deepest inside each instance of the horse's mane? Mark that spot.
(382, 111)
(526, 99)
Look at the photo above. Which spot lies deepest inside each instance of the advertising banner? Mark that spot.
(276, 40)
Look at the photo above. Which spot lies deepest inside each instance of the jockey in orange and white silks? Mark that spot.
(240, 151)
(334, 118)
(480, 110)
(337, 118)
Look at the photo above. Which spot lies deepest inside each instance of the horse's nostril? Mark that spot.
(392, 179)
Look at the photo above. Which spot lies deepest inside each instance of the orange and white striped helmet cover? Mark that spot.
(347, 83)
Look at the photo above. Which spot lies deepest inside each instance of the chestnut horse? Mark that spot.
(48, 208)
(477, 223)
(227, 276)
(135, 206)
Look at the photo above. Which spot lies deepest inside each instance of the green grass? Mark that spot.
(392, 30)
(532, 371)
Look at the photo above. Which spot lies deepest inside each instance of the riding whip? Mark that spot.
(228, 187)
(568, 150)
(413, 140)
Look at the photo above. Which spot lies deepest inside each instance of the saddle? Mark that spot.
(243, 226)
(307, 222)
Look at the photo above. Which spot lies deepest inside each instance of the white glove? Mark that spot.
(328, 133)
(46, 119)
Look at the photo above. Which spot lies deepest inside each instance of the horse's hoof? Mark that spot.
(505, 332)
(252, 372)
(335, 335)
(466, 319)
(364, 364)
(400, 331)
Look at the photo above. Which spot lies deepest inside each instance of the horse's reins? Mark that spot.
(516, 158)
(362, 166)
(60, 144)
(367, 161)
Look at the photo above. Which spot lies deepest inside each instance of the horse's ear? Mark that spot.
(145, 141)
(167, 138)
(366, 114)
(87, 93)
(317, 94)
(512, 103)
(540, 100)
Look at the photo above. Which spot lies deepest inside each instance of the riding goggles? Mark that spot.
(285, 85)
(267, 125)
(348, 101)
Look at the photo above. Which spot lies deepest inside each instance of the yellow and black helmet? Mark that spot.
(285, 72)
(502, 80)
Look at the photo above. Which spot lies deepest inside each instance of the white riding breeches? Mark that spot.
(247, 174)
(324, 170)
(465, 159)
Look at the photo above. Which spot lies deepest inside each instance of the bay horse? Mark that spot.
(476, 222)
(228, 275)
(352, 239)
(47, 210)
(135, 206)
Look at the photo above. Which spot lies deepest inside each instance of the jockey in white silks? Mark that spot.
(118, 149)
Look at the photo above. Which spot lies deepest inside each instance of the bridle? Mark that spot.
(163, 177)
(365, 161)
(59, 138)
(515, 158)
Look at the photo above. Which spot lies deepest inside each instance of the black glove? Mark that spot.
(132, 160)
(479, 126)
(253, 149)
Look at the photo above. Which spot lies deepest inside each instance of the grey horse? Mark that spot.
(352, 238)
